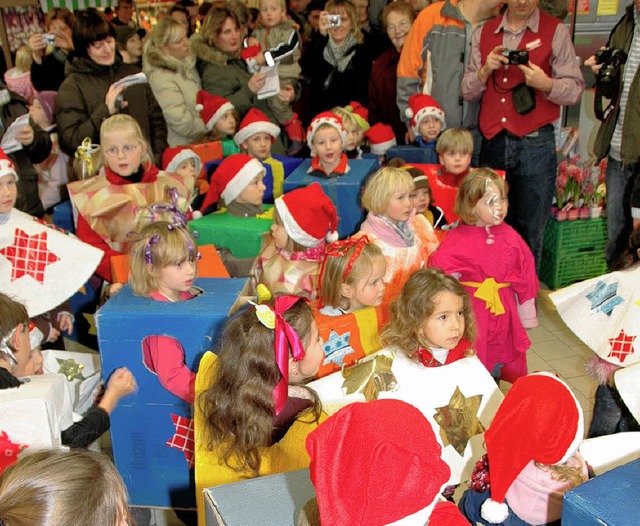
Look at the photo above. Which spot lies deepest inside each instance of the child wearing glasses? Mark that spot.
(106, 204)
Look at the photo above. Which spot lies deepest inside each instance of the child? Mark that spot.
(455, 148)
(163, 267)
(351, 276)
(355, 126)
(431, 320)
(256, 134)
(186, 164)
(263, 353)
(129, 44)
(427, 121)
(497, 269)
(63, 487)
(326, 138)
(532, 458)
(381, 139)
(18, 78)
(107, 204)
(424, 202)
(219, 117)
(406, 239)
(289, 262)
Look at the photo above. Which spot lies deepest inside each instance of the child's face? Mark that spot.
(368, 291)
(400, 206)
(258, 146)
(176, 278)
(354, 138)
(492, 207)
(280, 236)
(421, 199)
(134, 46)
(254, 192)
(226, 125)
(444, 328)
(327, 145)
(29, 361)
(313, 356)
(455, 163)
(271, 12)
(187, 168)
(429, 128)
(38, 115)
(8, 193)
(123, 153)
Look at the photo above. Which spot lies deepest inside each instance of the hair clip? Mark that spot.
(179, 217)
(154, 239)
(85, 152)
(340, 249)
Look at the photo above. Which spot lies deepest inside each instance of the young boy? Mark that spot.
(355, 126)
(454, 148)
(427, 121)
(326, 138)
(186, 163)
(129, 44)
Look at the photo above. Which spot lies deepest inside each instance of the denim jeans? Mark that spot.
(619, 182)
(531, 164)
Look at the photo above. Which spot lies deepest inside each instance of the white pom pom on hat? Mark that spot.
(212, 108)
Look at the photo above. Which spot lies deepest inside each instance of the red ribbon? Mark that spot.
(339, 249)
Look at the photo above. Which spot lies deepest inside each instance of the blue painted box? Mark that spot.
(344, 191)
(155, 474)
(611, 499)
(414, 154)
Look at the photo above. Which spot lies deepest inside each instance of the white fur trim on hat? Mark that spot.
(7, 168)
(241, 180)
(227, 106)
(335, 122)
(256, 127)
(382, 148)
(426, 112)
(184, 155)
(294, 230)
(494, 512)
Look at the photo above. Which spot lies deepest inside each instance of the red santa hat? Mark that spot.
(172, 157)
(6, 166)
(539, 420)
(375, 463)
(230, 178)
(255, 122)
(326, 117)
(250, 52)
(211, 108)
(421, 106)
(381, 138)
(308, 215)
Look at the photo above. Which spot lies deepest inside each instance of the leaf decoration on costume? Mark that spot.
(370, 377)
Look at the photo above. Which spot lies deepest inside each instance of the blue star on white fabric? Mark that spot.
(604, 298)
(336, 348)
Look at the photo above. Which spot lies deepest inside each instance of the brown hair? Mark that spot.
(400, 7)
(416, 303)
(381, 185)
(60, 13)
(212, 25)
(471, 190)
(12, 314)
(455, 140)
(335, 7)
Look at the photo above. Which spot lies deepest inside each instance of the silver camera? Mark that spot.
(49, 39)
(334, 21)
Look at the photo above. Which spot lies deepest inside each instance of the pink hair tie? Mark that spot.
(339, 249)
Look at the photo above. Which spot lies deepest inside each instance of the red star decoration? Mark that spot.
(9, 451)
(29, 255)
(183, 437)
(621, 346)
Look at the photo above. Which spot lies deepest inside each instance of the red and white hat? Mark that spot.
(381, 138)
(539, 420)
(6, 166)
(211, 108)
(255, 122)
(172, 157)
(326, 117)
(360, 113)
(421, 106)
(308, 215)
(230, 178)
(375, 463)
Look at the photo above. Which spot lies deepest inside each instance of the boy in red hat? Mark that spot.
(326, 138)
(427, 121)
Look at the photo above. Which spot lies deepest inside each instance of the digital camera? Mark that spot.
(49, 39)
(516, 56)
(334, 21)
(608, 79)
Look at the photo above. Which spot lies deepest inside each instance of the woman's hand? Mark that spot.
(256, 82)
(25, 136)
(38, 47)
(111, 96)
(323, 23)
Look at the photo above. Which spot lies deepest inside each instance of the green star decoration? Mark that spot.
(71, 369)
(458, 420)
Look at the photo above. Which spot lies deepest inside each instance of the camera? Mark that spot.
(516, 56)
(49, 39)
(608, 79)
(333, 21)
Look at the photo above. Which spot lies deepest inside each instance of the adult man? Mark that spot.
(518, 105)
(124, 13)
(619, 137)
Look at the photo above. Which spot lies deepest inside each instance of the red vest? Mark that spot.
(496, 109)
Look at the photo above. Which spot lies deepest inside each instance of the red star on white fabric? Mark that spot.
(29, 255)
(9, 451)
(183, 438)
(621, 346)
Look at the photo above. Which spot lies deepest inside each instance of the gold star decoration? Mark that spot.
(71, 369)
(92, 323)
(458, 420)
(370, 377)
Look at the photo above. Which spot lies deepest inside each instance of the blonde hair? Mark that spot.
(572, 475)
(334, 7)
(471, 190)
(49, 488)
(292, 246)
(330, 291)
(382, 184)
(325, 126)
(124, 124)
(167, 30)
(349, 122)
(416, 303)
(281, 3)
(173, 246)
(455, 140)
(24, 59)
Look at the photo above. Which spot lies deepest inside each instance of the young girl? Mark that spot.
(163, 267)
(406, 239)
(351, 276)
(263, 353)
(107, 203)
(355, 132)
(497, 269)
(220, 118)
(289, 262)
(432, 320)
(18, 78)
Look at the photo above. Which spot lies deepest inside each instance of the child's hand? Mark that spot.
(203, 186)
(54, 334)
(112, 95)
(65, 322)
(113, 289)
(252, 41)
(25, 136)
(287, 95)
(120, 384)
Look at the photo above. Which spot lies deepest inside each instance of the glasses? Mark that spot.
(127, 149)
(401, 26)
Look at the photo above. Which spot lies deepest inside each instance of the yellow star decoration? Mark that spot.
(92, 323)
(458, 420)
(370, 377)
(638, 303)
(71, 369)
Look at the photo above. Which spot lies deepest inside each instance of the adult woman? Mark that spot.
(47, 71)
(222, 71)
(337, 63)
(397, 19)
(171, 71)
(89, 94)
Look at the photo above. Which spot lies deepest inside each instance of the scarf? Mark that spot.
(244, 209)
(339, 56)
(4, 217)
(402, 234)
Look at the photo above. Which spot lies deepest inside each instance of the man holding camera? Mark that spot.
(619, 134)
(523, 68)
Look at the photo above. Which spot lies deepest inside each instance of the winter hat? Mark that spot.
(6, 166)
(308, 215)
(375, 463)
(326, 117)
(211, 108)
(421, 106)
(49, 102)
(381, 138)
(255, 122)
(172, 157)
(360, 113)
(230, 178)
(539, 420)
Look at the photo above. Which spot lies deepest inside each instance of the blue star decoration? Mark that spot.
(336, 348)
(604, 298)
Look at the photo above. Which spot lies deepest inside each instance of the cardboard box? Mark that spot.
(413, 154)
(344, 191)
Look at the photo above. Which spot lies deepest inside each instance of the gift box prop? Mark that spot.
(151, 431)
(607, 452)
(63, 216)
(413, 154)
(344, 191)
